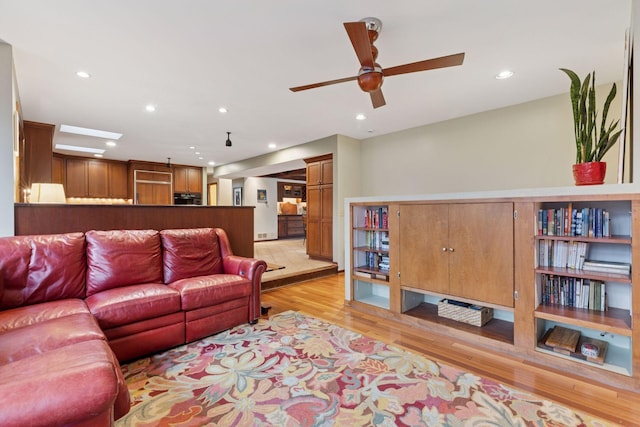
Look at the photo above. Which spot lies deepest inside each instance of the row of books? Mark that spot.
(584, 222)
(376, 240)
(558, 253)
(376, 260)
(574, 292)
(376, 217)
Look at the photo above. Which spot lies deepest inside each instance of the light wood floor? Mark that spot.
(324, 299)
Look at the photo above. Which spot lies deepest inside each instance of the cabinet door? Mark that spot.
(118, 176)
(481, 264)
(98, 178)
(162, 194)
(148, 193)
(314, 203)
(314, 238)
(57, 170)
(76, 178)
(180, 180)
(194, 180)
(326, 168)
(326, 221)
(314, 173)
(424, 247)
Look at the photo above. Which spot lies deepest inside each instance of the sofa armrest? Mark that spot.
(70, 385)
(252, 269)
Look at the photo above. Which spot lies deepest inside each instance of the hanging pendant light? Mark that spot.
(228, 143)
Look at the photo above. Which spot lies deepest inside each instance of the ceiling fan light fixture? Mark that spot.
(228, 143)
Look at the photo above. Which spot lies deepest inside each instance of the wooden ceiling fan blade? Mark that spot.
(428, 64)
(359, 37)
(377, 98)
(327, 83)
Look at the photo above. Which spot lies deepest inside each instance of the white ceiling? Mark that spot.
(191, 57)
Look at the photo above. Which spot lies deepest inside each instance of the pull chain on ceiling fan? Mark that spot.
(370, 76)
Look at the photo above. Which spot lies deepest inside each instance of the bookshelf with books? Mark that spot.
(490, 251)
(370, 257)
(584, 252)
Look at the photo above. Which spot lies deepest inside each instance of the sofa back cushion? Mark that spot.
(190, 253)
(35, 269)
(119, 258)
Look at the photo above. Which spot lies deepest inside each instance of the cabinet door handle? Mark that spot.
(444, 249)
(450, 249)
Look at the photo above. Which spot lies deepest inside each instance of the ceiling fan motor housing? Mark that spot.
(370, 79)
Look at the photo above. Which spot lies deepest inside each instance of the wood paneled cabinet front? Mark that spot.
(187, 179)
(320, 206)
(95, 178)
(461, 250)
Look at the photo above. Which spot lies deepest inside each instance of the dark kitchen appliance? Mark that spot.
(187, 199)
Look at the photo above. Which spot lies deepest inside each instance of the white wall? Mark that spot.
(265, 216)
(7, 108)
(528, 145)
(347, 173)
(225, 192)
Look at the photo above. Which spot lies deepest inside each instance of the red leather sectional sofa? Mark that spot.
(73, 306)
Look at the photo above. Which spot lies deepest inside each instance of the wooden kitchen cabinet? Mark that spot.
(36, 153)
(320, 207)
(95, 178)
(187, 179)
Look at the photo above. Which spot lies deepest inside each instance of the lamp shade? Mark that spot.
(47, 193)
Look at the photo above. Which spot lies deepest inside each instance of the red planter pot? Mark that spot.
(590, 173)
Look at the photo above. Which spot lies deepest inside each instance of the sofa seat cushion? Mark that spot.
(24, 316)
(45, 336)
(118, 258)
(204, 291)
(63, 386)
(190, 253)
(31, 271)
(120, 306)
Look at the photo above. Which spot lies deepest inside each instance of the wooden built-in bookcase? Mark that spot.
(405, 256)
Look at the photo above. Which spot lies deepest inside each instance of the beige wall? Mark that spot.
(7, 103)
(529, 145)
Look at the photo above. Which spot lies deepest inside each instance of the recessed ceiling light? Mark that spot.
(150, 108)
(83, 74)
(97, 155)
(81, 149)
(211, 163)
(504, 74)
(90, 132)
(192, 148)
(111, 143)
(200, 158)
(272, 145)
(222, 110)
(197, 153)
(361, 117)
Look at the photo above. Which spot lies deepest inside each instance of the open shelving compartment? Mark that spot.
(610, 328)
(370, 255)
(423, 305)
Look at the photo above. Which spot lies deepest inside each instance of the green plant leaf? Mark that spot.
(591, 143)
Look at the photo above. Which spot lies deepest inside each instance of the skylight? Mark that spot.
(90, 132)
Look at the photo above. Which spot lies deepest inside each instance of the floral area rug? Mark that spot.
(293, 370)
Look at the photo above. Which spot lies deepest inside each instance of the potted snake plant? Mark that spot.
(592, 141)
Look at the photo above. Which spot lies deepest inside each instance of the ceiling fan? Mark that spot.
(362, 35)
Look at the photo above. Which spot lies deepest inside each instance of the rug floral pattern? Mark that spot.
(293, 370)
